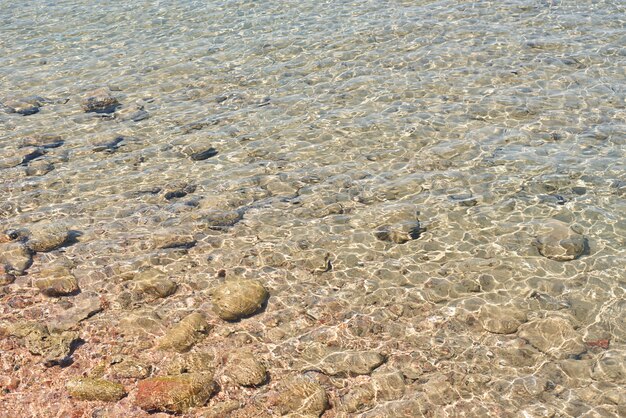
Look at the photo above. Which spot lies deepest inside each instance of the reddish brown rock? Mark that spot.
(175, 393)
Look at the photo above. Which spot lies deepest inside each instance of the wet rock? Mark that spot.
(245, 369)
(15, 257)
(399, 232)
(358, 398)
(155, 287)
(141, 323)
(89, 389)
(301, 397)
(109, 146)
(237, 299)
(611, 366)
(24, 107)
(351, 363)
(130, 369)
(56, 280)
(557, 241)
(43, 236)
(195, 362)
(182, 336)
(55, 347)
(175, 393)
(204, 154)
(501, 319)
(5, 277)
(439, 390)
(554, 336)
(39, 168)
(222, 409)
(33, 155)
(133, 113)
(177, 190)
(172, 239)
(85, 306)
(99, 101)
(45, 141)
(388, 385)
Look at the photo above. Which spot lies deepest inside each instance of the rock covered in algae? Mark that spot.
(175, 393)
(245, 369)
(554, 336)
(90, 389)
(182, 336)
(236, 299)
(99, 101)
(53, 346)
(501, 319)
(301, 397)
(56, 280)
(43, 236)
(351, 363)
(557, 241)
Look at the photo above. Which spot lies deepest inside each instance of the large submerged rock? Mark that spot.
(43, 236)
(557, 241)
(245, 369)
(554, 336)
(237, 299)
(501, 319)
(54, 347)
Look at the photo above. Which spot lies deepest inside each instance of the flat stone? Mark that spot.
(22, 107)
(236, 299)
(43, 236)
(89, 389)
(399, 232)
(54, 347)
(351, 363)
(175, 393)
(193, 362)
(501, 319)
(554, 336)
(610, 366)
(301, 397)
(85, 306)
(182, 336)
(388, 385)
(557, 241)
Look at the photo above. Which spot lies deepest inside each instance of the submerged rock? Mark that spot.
(56, 280)
(301, 397)
(245, 369)
(351, 363)
(85, 306)
(15, 257)
(99, 101)
(236, 299)
(182, 336)
(89, 389)
(399, 232)
(131, 369)
(24, 106)
(557, 241)
(194, 362)
(5, 277)
(501, 319)
(54, 347)
(554, 336)
(43, 236)
(175, 393)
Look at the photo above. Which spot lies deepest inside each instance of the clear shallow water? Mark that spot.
(486, 119)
